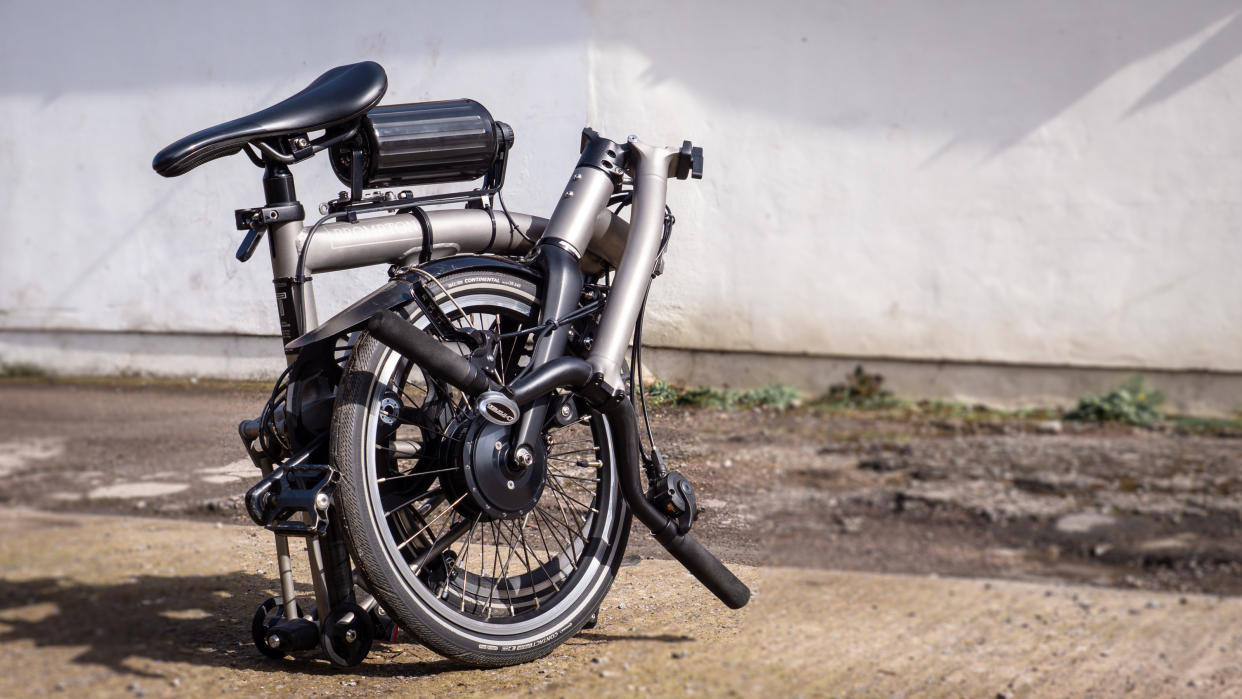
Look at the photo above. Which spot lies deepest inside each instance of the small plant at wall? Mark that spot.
(21, 370)
(860, 390)
(661, 392)
(779, 396)
(708, 397)
(1134, 402)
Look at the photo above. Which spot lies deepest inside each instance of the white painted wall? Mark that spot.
(95, 239)
(1051, 183)
(1042, 182)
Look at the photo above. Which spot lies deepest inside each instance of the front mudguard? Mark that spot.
(317, 370)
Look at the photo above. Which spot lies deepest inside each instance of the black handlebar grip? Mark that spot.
(708, 570)
(429, 353)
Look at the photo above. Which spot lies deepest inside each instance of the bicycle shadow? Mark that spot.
(200, 620)
(594, 637)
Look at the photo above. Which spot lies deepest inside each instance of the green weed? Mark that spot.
(778, 396)
(1133, 403)
(22, 370)
(859, 390)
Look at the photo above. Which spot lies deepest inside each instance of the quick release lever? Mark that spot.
(257, 221)
(689, 162)
(251, 241)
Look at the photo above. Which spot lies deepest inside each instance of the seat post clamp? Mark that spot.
(268, 215)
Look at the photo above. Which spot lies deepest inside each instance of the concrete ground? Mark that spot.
(126, 606)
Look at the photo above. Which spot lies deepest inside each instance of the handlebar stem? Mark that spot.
(629, 287)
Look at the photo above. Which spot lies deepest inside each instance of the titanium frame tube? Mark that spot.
(633, 276)
(573, 222)
(398, 239)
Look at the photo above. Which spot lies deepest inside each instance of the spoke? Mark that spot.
(442, 542)
(578, 517)
(433, 521)
(412, 474)
(516, 346)
(416, 498)
(521, 532)
(548, 550)
(571, 532)
(572, 451)
(500, 354)
(559, 457)
(508, 558)
(556, 487)
(552, 526)
(495, 558)
(464, 556)
(576, 478)
(504, 574)
(526, 557)
(555, 470)
(413, 386)
(590, 493)
(515, 537)
(563, 517)
(575, 441)
(552, 529)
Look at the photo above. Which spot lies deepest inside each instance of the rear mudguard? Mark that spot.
(400, 290)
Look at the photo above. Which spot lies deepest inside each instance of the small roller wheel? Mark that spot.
(267, 617)
(347, 634)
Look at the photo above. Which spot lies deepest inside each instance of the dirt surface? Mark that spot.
(986, 496)
(877, 542)
(127, 606)
(1001, 497)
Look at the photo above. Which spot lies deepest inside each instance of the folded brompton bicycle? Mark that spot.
(459, 448)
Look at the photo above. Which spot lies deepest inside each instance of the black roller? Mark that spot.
(429, 353)
(707, 569)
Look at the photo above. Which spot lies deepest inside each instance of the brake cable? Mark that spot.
(655, 460)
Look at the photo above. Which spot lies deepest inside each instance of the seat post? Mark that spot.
(295, 298)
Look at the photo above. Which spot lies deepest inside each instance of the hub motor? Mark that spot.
(493, 482)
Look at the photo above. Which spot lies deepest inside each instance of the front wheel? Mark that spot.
(479, 564)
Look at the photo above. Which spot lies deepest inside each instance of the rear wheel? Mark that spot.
(430, 512)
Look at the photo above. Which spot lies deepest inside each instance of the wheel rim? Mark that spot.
(497, 577)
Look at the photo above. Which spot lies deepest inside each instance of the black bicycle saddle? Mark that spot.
(338, 96)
